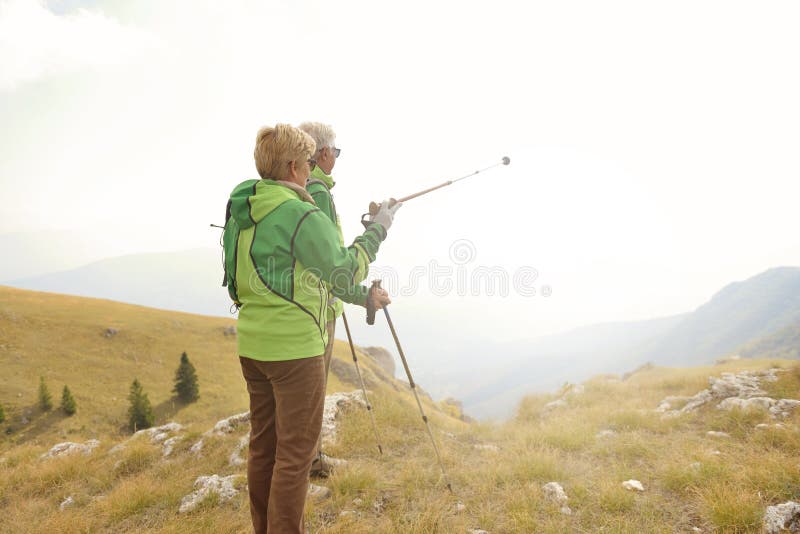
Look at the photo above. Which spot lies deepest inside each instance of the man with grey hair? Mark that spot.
(319, 186)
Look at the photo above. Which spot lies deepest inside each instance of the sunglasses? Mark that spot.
(336, 152)
(312, 164)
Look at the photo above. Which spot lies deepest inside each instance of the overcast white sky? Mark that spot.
(654, 145)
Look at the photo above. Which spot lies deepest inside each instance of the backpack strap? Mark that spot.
(224, 268)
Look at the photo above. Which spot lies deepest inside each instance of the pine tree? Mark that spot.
(68, 402)
(2, 414)
(140, 413)
(45, 400)
(186, 386)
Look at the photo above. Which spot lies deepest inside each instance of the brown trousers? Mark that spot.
(331, 327)
(286, 403)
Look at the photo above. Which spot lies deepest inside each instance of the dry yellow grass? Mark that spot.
(497, 470)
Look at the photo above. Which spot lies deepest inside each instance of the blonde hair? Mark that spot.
(276, 146)
(323, 134)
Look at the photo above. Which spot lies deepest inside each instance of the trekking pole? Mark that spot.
(374, 207)
(361, 379)
(376, 284)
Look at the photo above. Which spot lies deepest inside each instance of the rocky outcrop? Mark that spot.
(382, 357)
(68, 447)
(226, 426)
(164, 434)
(741, 390)
(204, 486)
(782, 518)
(235, 459)
(334, 404)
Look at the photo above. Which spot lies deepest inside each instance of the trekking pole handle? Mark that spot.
(374, 207)
(376, 285)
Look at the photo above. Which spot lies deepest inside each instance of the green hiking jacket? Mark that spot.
(319, 187)
(280, 252)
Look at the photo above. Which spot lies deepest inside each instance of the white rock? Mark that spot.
(358, 501)
(318, 493)
(782, 517)
(69, 501)
(235, 458)
(752, 403)
(348, 513)
(783, 407)
(208, 485)
(605, 434)
(169, 445)
(553, 491)
(744, 384)
(334, 403)
(197, 447)
(68, 447)
(226, 426)
(159, 433)
(715, 434)
(633, 485)
(477, 531)
(460, 507)
(697, 400)
(487, 447)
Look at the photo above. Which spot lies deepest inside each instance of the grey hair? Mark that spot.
(322, 134)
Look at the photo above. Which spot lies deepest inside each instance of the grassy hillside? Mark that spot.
(589, 443)
(739, 313)
(64, 339)
(785, 343)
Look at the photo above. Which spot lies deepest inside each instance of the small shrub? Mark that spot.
(140, 413)
(45, 400)
(186, 386)
(68, 402)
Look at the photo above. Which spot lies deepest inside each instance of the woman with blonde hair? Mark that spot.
(280, 252)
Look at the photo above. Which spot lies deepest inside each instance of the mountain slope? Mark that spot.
(67, 341)
(188, 281)
(589, 440)
(739, 313)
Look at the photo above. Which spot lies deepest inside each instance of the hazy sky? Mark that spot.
(654, 146)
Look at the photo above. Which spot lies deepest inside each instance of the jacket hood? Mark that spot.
(252, 200)
(320, 175)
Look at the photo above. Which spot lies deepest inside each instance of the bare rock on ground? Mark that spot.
(555, 493)
(633, 485)
(226, 426)
(204, 486)
(68, 447)
(782, 518)
(334, 404)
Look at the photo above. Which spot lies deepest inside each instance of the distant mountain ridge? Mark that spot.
(759, 315)
(739, 313)
(187, 281)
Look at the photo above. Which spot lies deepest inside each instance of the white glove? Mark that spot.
(385, 214)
